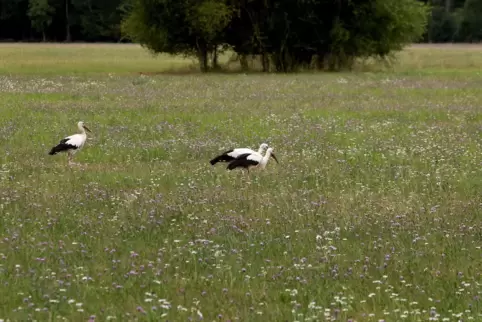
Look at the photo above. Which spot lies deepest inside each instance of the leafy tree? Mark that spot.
(208, 21)
(40, 13)
(444, 20)
(384, 26)
(160, 26)
(98, 19)
(471, 23)
(14, 22)
(295, 32)
(247, 31)
(188, 27)
(443, 25)
(68, 35)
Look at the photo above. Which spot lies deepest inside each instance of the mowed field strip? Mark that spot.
(374, 211)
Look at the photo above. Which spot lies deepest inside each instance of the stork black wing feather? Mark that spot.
(62, 146)
(225, 157)
(242, 162)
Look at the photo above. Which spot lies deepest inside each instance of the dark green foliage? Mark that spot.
(287, 34)
(98, 20)
(14, 22)
(443, 25)
(452, 21)
(40, 13)
(187, 27)
(90, 20)
(471, 22)
(367, 28)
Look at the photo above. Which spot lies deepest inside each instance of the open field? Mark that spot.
(82, 59)
(374, 212)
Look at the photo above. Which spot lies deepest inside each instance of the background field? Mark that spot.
(374, 211)
(88, 59)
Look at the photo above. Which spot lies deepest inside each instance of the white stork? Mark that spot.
(252, 160)
(232, 154)
(72, 144)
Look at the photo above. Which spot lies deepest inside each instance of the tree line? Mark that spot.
(62, 20)
(100, 20)
(285, 34)
(454, 21)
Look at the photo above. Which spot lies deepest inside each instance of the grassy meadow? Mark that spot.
(374, 212)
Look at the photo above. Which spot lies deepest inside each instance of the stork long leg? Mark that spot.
(70, 158)
(247, 175)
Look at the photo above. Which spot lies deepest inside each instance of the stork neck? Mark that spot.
(82, 130)
(266, 157)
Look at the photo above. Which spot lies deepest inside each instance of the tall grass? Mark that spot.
(374, 212)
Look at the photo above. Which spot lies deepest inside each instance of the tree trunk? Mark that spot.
(214, 61)
(265, 62)
(243, 60)
(44, 36)
(68, 38)
(448, 5)
(320, 61)
(430, 23)
(203, 60)
(330, 61)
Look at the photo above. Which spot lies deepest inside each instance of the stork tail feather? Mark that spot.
(61, 147)
(221, 158)
(214, 161)
(234, 164)
(54, 150)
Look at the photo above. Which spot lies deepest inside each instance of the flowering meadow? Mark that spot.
(374, 212)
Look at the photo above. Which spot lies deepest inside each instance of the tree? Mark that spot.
(98, 19)
(470, 29)
(187, 27)
(443, 25)
(444, 20)
(288, 34)
(68, 35)
(208, 21)
(14, 22)
(384, 26)
(40, 13)
(247, 31)
(293, 33)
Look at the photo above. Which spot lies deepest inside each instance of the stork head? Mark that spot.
(82, 127)
(270, 153)
(262, 148)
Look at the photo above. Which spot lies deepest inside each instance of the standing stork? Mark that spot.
(252, 160)
(232, 154)
(72, 144)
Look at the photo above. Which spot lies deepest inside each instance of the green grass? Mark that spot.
(90, 59)
(374, 211)
(55, 59)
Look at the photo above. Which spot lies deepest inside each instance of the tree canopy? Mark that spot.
(288, 34)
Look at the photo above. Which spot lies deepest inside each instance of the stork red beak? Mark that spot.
(87, 129)
(274, 157)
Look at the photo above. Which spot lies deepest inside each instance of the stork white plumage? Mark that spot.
(73, 143)
(252, 160)
(232, 154)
